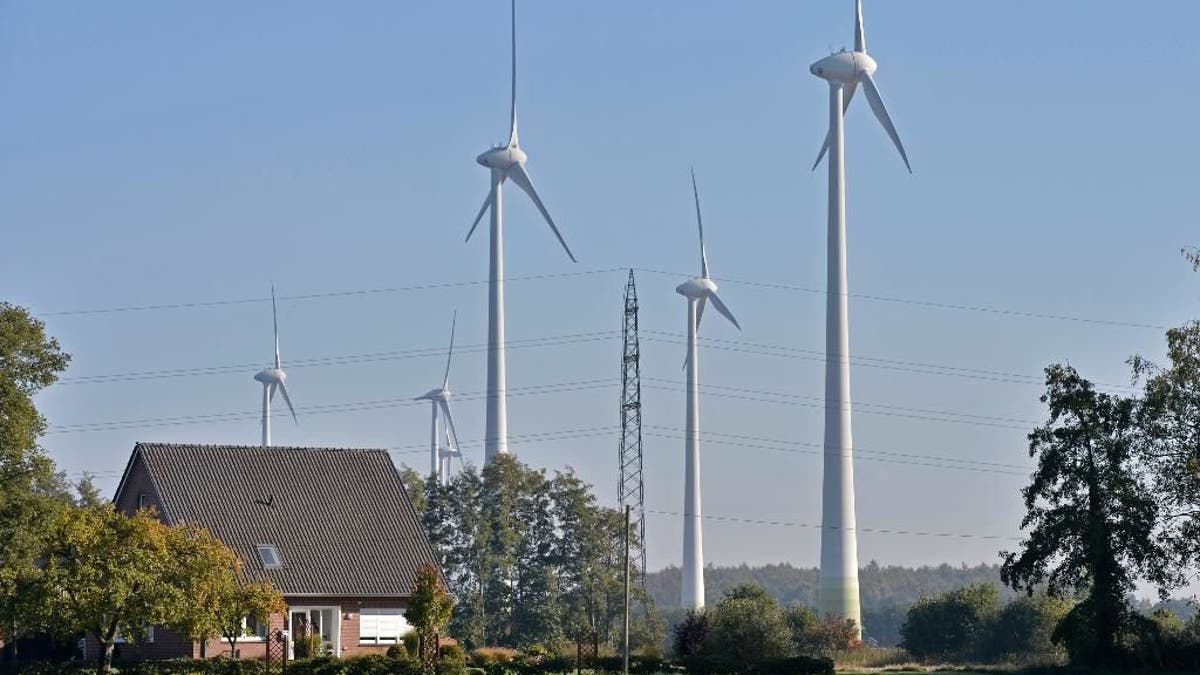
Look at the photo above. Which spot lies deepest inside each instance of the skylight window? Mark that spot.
(269, 556)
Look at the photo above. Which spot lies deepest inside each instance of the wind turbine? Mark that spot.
(446, 454)
(439, 400)
(698, 291)
(272, 380)
(838, 589)
(505, 161)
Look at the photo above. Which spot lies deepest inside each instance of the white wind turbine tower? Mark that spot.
(272, 380)
(838, 589)
(439, 400)
(698, 291)
(505, 161)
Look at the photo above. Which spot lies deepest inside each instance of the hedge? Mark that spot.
(383, 665)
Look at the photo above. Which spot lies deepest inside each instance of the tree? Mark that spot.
(1170, 417)
(428, 614)
(1090, 515)
(111, 576)
(1023, 629)
(816, 636)
(691, 633)
(415, 486)
(244, 602)
(1192, 254)
(748, 625)
(952, 625)
(30, 489)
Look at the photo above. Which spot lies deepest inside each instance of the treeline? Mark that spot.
(975, 625)
(533, 560)
(887, 591)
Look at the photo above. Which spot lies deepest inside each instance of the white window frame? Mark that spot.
(119, 639)
(274, 551)
(377, 639)
(247, 637)
(336, 631)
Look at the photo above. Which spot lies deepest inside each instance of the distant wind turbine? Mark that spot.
(838, 588)
(272, 380)
(439, 400)
(699, 291)
(505, 161)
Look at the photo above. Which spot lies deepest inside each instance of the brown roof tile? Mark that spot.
(340, 518)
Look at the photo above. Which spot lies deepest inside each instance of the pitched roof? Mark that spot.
(340, 518)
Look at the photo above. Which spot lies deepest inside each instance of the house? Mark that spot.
(333, 529)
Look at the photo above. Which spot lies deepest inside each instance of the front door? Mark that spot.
(314, 631)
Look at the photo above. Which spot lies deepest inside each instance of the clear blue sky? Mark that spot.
(159, 153)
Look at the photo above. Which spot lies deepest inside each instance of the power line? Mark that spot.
(336, 360)
(353, 406)
(871, 530)
(925, 303)
(318, 296)
(785, 398)
(720, 440)
(998, 311)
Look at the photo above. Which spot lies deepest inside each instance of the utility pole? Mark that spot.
(628, 527)
(630, 487)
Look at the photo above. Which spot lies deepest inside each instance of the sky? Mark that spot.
(181, 157)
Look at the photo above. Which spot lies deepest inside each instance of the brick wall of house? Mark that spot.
(137, 485)
(170, 645)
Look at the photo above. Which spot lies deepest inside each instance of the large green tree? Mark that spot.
(429, 613)
(1090, 514)
(532, 560)
(1171, 420)
(113, 576)
(30, 489)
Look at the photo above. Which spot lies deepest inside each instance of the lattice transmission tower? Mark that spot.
(630, 487)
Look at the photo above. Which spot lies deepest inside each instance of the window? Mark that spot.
(381, 626)
(143, 500)
(269, 556)
(252, 630)
(147, 637)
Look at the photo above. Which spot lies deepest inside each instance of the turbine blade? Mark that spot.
(450, 352)
(271, 388)
(512, 136)
(521, 177)
(877, 106)
(287, 399)
(860, 35)
(700, 224)
(449, 421)
(720, 307)
(700, 311)
(847, 96)
(275, 322)
(482, 210)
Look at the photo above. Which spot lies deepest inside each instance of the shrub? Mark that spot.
(748, 625)
(485, 655)
(452, 660)
(794, 665)
(691, 632)
(951, 625)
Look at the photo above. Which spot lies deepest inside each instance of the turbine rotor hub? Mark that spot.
(504, 157)
(697, 288)
(271, 376)
(844, 67)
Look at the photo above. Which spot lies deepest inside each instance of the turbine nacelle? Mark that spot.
(697, 288)
(502, 157)
(434, 395)
(271, 376)
(844, 67)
